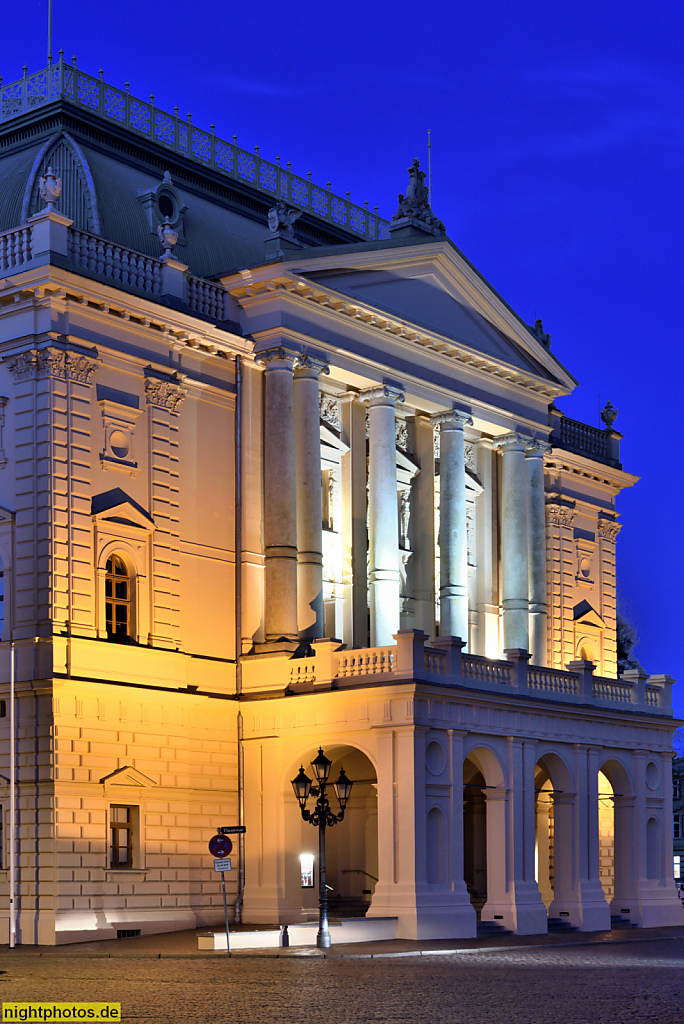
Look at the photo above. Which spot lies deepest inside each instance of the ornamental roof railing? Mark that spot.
(61, 80)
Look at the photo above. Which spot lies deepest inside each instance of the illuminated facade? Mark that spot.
(209, 364)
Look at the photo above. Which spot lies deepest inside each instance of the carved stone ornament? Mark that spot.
(164, 393)
(402, 436)
(414, 207)
(49, 362)
(168, 236)
(609, 415)
(281, 219)
(608, 529)
(560, 515)
(330, 410)
(50, 188)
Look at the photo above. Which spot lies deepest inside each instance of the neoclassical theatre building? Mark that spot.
(275, 474)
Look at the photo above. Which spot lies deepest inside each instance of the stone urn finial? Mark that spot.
(168, 236)
(50, 188)
(608, 415)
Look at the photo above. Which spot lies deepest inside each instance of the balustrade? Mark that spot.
(15, 248)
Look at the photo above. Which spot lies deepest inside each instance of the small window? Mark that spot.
(117, 600)
(2, 600)
(121, 836)
(3, 709)
(677, 831)
(167, 207)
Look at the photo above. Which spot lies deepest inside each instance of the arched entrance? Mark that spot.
(554, 836)
(616, 812)
(351, 845)
(484, 830)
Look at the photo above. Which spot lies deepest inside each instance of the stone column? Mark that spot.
(383, 515)
(453, 537)
(423, 521)
(309, 501)
(536, 552)
(592, 911)
(354, 533)
(515, 600)
(280, 498)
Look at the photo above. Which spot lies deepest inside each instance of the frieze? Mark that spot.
(560, 515)
(165, 394)
(608, 529)
(50, 362)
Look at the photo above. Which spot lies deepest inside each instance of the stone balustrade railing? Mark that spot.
(15, 248)
(107, 260)
(443, 663)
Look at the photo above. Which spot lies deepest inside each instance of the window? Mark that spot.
(121, 836)
(117, 600)
(677, 866)
(677, 833)
(2, 599)
(676, 789)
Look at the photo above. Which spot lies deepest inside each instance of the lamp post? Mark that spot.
(321, 817)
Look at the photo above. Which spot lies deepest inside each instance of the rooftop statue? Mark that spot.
(281, 219)
(414, 208)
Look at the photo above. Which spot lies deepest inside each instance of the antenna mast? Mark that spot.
(49, 31)
(429, 131)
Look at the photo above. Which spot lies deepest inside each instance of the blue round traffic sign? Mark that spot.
(220, 846)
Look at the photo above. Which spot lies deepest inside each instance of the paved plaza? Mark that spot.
(606, 982)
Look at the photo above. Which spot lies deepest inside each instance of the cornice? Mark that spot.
(578, 465)
(256, 290)
(53, 285)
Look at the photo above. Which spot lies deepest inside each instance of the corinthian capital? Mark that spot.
(608, 529)
(560, 515)
(64, 364)
(165, 394)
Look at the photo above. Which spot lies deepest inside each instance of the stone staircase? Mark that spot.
(619, 921)
(488, 929)
(560, 924)
(347, 906)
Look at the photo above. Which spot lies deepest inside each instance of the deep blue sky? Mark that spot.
(558, 147)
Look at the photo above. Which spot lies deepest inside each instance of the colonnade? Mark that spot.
(293, 543)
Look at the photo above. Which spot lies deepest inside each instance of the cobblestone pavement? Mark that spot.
(624, 983)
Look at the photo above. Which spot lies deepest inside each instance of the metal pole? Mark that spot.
(225, 910)
(323, 938)
(12, 851)
(49, 31)
(429, 167)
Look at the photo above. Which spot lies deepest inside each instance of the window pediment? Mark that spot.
(127, 776)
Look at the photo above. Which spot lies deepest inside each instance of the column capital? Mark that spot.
(535, 448)
(309, 365)
(281, 356)
(513, 442)
(452, 419)
(608, 529)
(384, 394)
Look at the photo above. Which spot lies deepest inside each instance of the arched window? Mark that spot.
(118, 599)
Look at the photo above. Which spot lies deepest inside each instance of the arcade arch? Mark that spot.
(616, 833)
(484, 826)
(553, 832)
(351, 845)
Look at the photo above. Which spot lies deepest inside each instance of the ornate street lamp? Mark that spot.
(321, 817)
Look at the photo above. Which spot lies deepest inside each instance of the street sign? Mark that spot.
(233, 830)
(223, 864)
(220, 846)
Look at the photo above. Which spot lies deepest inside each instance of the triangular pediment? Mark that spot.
(5, 515)
(584, 615)
(127, 776)
(437, 289)
(115, 506)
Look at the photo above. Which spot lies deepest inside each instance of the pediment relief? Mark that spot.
(5, 515)
(128, 776)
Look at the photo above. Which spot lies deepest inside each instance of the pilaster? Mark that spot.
(536, 550)
(607, 534)
(164, 396)
(53, 543)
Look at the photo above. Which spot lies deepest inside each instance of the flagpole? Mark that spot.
(429, 164)
(49, 31)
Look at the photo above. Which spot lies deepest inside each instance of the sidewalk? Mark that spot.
(184, 945)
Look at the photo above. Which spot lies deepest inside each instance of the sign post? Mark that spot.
(221, 846)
